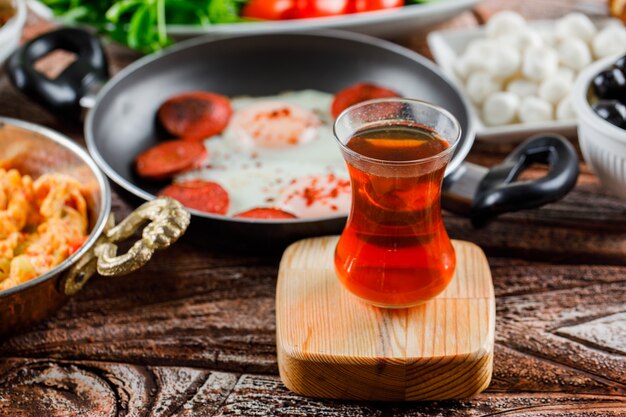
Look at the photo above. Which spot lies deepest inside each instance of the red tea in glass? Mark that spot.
(394, 251)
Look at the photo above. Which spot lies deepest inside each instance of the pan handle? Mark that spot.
(496, 191)
(167, 219)
(61, 95)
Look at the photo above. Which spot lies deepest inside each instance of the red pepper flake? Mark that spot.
(284, 112)
(320, 191)
(310, 195)
(334, 208)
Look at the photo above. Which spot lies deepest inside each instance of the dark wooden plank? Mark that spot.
(607, 333)
(58, 388)
(520, 372)
(210, 310)
(514, 277)
(265, 396)
(30, 387)
(222, 317)
(530, 324)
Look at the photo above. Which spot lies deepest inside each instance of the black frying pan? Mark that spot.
(122, 121)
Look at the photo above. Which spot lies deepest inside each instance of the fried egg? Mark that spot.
(279, 152)
(273, 124)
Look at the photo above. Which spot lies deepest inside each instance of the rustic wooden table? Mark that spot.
(192, 334)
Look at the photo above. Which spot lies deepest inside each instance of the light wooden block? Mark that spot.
(331, 344)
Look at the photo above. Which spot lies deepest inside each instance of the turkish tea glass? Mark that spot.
(394, 251)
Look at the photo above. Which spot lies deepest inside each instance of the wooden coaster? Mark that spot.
(331, 344)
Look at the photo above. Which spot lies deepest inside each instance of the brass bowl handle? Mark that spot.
(168, 220)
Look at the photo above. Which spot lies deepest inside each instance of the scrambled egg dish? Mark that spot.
(42, 222)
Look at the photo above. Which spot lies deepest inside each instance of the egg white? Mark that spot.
(256, 177)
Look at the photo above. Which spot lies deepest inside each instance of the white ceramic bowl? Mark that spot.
(11, 31)
(603, 144)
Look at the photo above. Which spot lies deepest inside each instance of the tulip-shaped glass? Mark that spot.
(394, 251)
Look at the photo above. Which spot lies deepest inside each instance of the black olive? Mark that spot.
(621, 64)
(610, 84)
(612, 111)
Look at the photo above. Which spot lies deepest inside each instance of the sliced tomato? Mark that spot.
(169, 158)
(269, 9)
(357, 93)
(195, 115)
(319, 8)
(200, 195)
(370, 5)
(265, 213)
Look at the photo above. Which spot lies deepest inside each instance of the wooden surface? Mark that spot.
(332, 345)
(193, 333)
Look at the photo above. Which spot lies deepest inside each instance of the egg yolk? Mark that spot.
(273, 124)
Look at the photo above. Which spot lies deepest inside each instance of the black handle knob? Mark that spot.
(499, 192)
(60, 95)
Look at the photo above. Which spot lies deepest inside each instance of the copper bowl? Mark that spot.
(35, 150)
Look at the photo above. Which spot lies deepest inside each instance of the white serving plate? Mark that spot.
(385, 23)
(446, 46)
(11, 31)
